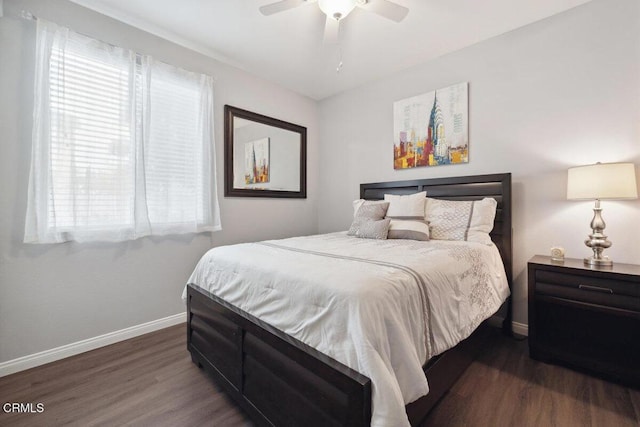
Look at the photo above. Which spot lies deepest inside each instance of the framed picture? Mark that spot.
(432, 129)
(256, 161)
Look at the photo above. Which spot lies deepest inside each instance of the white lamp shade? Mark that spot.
(602, 181)
(337, 9)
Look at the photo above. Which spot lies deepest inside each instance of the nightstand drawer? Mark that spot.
(589, 285)
(589, 295)
(585, 318)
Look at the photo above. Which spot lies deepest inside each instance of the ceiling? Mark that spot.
(287, 48)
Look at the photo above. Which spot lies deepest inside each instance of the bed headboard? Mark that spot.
(475, 187)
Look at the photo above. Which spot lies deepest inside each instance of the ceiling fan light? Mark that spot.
(337, 9)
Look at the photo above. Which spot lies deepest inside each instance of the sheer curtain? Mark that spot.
(122, 144)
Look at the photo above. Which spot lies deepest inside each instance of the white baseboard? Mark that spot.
(48, 356)
(516, 327)
(520, 328)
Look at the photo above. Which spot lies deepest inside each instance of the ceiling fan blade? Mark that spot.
(280, 6)
(331, 30)
(387, 9)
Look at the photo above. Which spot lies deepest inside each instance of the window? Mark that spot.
(122, 144)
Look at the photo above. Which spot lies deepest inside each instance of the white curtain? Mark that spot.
(122, 144)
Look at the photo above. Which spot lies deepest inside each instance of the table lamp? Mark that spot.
(599, 182)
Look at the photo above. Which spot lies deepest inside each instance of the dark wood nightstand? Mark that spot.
(586, 318)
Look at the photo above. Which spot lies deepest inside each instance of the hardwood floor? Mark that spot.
(146, 381)
(504, 387)
(150, 381)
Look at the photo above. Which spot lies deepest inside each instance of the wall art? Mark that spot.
(256, 161)
(432, 129)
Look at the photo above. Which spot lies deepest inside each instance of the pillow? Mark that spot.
(406, 207)
(371, 209)
(369, 229)
(411, 229)
(369, 221)
(461, 220)
(360, 202)
(407, 216)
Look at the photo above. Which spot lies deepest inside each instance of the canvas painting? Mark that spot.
(256, 161)
(432, 129)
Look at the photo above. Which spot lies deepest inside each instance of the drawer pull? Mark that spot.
(595, 288)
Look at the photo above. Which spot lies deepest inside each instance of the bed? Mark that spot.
(279, 380)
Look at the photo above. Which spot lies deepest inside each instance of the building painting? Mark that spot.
(432, 129)
(256, 161)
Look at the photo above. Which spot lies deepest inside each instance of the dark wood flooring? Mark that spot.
(504, 387)
(150, 381)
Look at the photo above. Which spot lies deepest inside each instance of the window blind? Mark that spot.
(92, 152)
(122, 144)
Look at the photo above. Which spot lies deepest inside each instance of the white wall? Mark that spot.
(52, 295)
(561, 92)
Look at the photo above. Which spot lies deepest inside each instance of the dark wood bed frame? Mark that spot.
(279, 380)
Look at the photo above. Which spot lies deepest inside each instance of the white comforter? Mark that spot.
(381, 307)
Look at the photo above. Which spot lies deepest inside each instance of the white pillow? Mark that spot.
(461, 220)
(407, 216)
(406, 206)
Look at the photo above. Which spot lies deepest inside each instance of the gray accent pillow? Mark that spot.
(372, 209)
(369, 222)
(369, 229)
(359, 202)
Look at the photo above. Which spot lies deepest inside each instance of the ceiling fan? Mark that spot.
(337, 10)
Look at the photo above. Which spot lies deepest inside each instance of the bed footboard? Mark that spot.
(275, 378)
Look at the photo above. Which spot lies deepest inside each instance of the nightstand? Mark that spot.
(586, 318)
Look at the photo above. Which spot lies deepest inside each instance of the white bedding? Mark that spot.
(381, 307)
